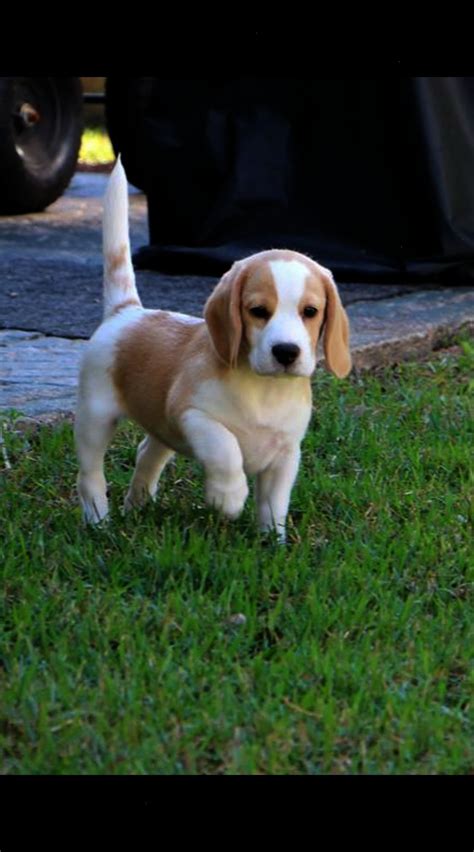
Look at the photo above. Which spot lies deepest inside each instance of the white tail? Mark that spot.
(119, 277)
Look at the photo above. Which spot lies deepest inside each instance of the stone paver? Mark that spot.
(38, 375)
(392, 330)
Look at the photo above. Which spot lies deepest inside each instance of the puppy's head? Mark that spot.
(271, 308)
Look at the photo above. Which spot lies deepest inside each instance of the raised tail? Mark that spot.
(119, 277)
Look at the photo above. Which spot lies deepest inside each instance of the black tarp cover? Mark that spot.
(374, 178)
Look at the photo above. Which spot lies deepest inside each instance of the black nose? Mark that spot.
(286, 353)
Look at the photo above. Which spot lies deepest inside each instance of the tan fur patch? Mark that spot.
(116, 260)
(314, 296)
(128, 304)
(223, 315)
(159, 363)
(260, 288)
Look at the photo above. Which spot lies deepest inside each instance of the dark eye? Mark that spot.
(260, 312)
(310, 312)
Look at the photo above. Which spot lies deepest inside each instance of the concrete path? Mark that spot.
(50, 301)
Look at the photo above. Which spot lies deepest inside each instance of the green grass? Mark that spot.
(117, 653)
(96, 147)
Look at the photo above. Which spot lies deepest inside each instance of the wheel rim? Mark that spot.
(36, 121)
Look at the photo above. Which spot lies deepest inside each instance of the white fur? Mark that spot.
(217, 448)
(265, 415)
(119, 285)
(98, 410)
(249, 425)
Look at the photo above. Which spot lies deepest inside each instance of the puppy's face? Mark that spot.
(273, 306)
(283, 305)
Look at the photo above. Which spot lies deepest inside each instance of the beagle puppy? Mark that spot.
(232, 390)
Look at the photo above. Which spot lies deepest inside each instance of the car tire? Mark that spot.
(40, 137)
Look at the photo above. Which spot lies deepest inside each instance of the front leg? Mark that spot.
(218, 450)
(273, 491)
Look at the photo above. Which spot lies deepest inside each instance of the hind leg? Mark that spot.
(93, 433)
(152, 456)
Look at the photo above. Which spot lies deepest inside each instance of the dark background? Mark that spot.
(373, 176)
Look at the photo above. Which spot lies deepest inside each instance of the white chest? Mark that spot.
(266, 414)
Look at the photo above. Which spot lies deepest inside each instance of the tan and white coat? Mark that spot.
(232, 390)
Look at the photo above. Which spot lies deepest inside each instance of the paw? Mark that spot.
(229, 497)
(94, 510)
(277, 530)
(92, 492)
(136, 498)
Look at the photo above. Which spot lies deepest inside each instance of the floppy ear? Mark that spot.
(223, 316)
(336, 329)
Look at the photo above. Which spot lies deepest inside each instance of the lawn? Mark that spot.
(96, 147)
(176, 642)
